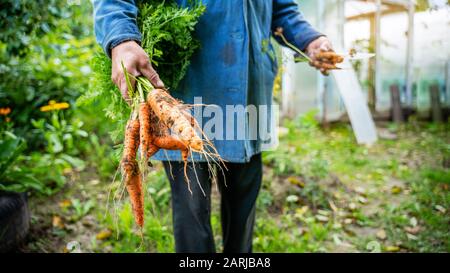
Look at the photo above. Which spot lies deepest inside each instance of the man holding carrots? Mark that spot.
(235, 66)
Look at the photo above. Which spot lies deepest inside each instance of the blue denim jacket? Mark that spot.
(235, 66)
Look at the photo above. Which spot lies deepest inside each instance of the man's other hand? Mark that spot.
(136, 62)
(321, 44)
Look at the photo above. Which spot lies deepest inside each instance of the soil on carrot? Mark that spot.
(321, 193)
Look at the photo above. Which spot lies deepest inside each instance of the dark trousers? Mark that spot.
(239, 187)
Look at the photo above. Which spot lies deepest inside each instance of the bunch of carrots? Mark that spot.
(158, 121)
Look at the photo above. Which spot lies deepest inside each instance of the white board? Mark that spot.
(356, 105)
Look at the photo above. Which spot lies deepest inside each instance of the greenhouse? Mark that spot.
(412, 48)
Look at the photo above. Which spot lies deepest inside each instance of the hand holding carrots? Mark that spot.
(137, 63)
(319, 52)
(322, 55)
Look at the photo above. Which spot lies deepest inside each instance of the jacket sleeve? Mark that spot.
(295, 28)
(115, 22)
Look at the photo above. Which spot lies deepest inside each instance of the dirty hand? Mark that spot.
(321, 44)
(136, 62)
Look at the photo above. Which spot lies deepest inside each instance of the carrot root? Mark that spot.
(134, 188)
(130, 169)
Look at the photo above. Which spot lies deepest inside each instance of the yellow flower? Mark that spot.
(61, 105)
(46, 108)
(5, 111)
(53, 105)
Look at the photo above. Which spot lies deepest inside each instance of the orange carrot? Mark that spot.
(169, 112)
(169, 143)
(131, 171)
(155, 130)
(330, 56)
(134, 188)
(161, 138)
(144, 133)
(131, 144)
(324, 65)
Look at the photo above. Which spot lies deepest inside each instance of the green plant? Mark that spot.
(48, 170)
(59, 134)
(103, 159)
(81, 209)
(15, 173)
(42, 173)
(167, 36)
(11, 147)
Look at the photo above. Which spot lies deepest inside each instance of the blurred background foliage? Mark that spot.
(45, 51)
(19, 25)
(322, 192)
(44, 55)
